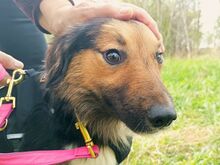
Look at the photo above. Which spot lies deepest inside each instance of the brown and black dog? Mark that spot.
(108, 73)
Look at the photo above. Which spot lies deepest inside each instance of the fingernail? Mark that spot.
(125, 10)
(18, 64)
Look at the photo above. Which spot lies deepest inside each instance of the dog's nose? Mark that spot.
(160, 116)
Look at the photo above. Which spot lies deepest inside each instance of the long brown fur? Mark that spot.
(112, 100)
(140, 74)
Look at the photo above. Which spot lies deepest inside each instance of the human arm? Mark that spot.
(56, 15)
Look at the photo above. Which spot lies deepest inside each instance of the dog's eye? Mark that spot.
(113, 56)
(159, 57)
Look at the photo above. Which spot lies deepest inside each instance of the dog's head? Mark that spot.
(109, 71)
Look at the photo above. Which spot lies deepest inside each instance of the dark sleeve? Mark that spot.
(31, 9)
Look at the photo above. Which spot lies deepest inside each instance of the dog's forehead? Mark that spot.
(130, 33)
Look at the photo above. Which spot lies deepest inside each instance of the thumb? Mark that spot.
(9, 62)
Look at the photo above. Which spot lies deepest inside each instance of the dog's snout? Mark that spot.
(160, 116)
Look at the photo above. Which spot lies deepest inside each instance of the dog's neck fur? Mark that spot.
(51, 125)
(104, 127)
(103, 131)
(106, 133)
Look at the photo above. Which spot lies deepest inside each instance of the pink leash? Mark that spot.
(3, 72)
(5, 111)
(51, 157)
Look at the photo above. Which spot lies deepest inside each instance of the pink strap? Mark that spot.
(45, 157)
(3, 72)
(5, 111)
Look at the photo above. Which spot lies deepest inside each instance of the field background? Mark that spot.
(191, 31)
(192, 75)
(194, 138)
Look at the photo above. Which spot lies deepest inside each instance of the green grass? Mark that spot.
(194, 138)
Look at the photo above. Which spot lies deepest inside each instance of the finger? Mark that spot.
(4, 80)
(127, 12)
(124, 11)
(9, 62)
(141, 15)
(3, 76)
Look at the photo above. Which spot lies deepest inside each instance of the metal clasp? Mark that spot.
(13, 81)
(89, 143)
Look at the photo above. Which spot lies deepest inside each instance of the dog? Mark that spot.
(105, 72)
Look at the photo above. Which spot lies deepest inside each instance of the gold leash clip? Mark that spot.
(89, 143)
(13, 81)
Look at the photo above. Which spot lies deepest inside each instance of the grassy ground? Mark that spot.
(194, 138)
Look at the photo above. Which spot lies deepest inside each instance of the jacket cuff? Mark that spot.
(31, 9)
(36, 17)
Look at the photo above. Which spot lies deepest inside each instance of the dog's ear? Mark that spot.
(56, 60)
(64, 48)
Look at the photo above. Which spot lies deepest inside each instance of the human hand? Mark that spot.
(58, 15)
(8, 62)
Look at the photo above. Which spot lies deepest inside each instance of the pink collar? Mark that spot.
(51, 157)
